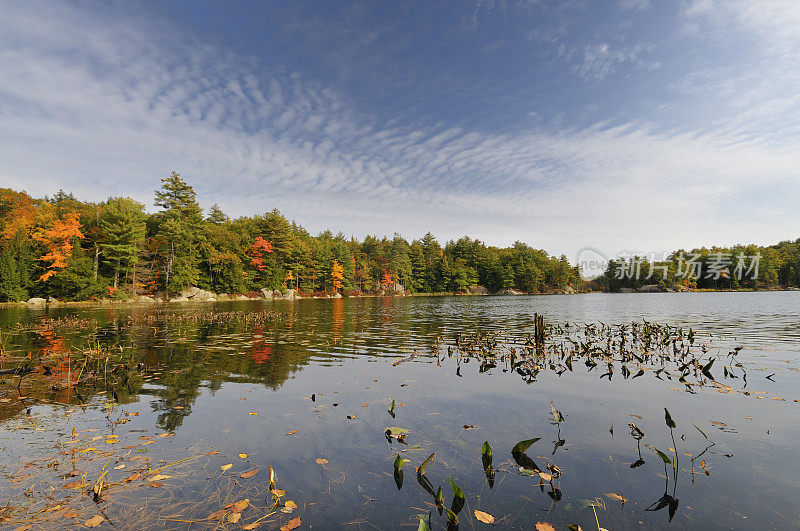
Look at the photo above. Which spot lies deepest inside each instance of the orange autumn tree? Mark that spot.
(257, 250)
(58, 242)
(386, 279)
(337, 275)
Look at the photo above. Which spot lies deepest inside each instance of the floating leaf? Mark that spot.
(94, 521)
(290, 504)
(248, 474)
(156, 484)
(321, 461)
(294, 523)
(243, 456)
(668, 419)
(617, 497)
(398, 463)
(252, 413)
(226, 467)
(486, 518)
(452, 518)
(159, 477)
(522, 446)
(391, 407)
(422, 525)
(254, 525)
(292, 432)
(233, 518)
(439, 498)
(241, 505)
(421, 469)
(544, 526)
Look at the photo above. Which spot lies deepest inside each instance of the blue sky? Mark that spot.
(627, 125)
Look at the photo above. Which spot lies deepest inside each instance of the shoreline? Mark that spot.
(241, 298)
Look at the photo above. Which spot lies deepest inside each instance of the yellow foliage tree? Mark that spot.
(337, 275)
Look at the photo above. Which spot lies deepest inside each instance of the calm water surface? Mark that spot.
(242, 382)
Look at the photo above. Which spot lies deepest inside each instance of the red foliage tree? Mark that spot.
(58, 241)
(257, 250)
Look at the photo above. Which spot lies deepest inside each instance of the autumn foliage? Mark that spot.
(386, 279)
(337, 275)
(58, 242)
(257, 250)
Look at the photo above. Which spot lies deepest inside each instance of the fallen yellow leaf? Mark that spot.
(248, 474)
(486, 518)
(94, 521)
(252, 413)
(243, 456)
(544, 526)
(321, 461)
(292, 432)
(290, 504)
(617, 497)
(226, 467)
(159, 477)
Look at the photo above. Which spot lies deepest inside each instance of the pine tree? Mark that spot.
(123, 227)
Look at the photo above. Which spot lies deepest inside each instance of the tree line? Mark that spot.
(75, 250)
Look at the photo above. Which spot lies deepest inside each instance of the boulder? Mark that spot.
(509, 291)
(267, 293)
(37, 300)
(179, 299)
(337, 295)
(569, 290)
(477, 290)
(190, 292)
(650, 288)
(51, 300)
(203, 296)
(242, 298)
(145, 298)
(289, 294)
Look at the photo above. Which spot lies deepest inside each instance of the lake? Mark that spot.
(170, 395)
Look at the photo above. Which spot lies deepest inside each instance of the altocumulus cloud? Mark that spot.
(101, 104)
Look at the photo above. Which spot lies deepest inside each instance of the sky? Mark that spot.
(621, 125)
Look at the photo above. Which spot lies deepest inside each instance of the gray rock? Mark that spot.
(337, 295)
(51, 300)
(267, 293)
(477, 290)
(36, 300)
(179, 299)
(145, 298)
(190, 292)
(242, 298)
(650, 288)
(289, 294)
(203, 295)
(509, 291)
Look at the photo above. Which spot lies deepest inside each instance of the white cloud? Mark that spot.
(103, 105)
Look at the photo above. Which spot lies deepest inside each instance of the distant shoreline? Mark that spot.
(133, 302)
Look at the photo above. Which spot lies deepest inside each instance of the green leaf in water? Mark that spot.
(391, 407)
(439, 498)
(452, 518)
(421, 469)
(398, 463)
(486, 449)
(701, 431)
(522, 446)
(457, 492)
(556, 413)
(664, 457)
(668, 418)
(423, 526)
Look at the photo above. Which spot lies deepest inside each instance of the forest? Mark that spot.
(63, 248)
(68, 249)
